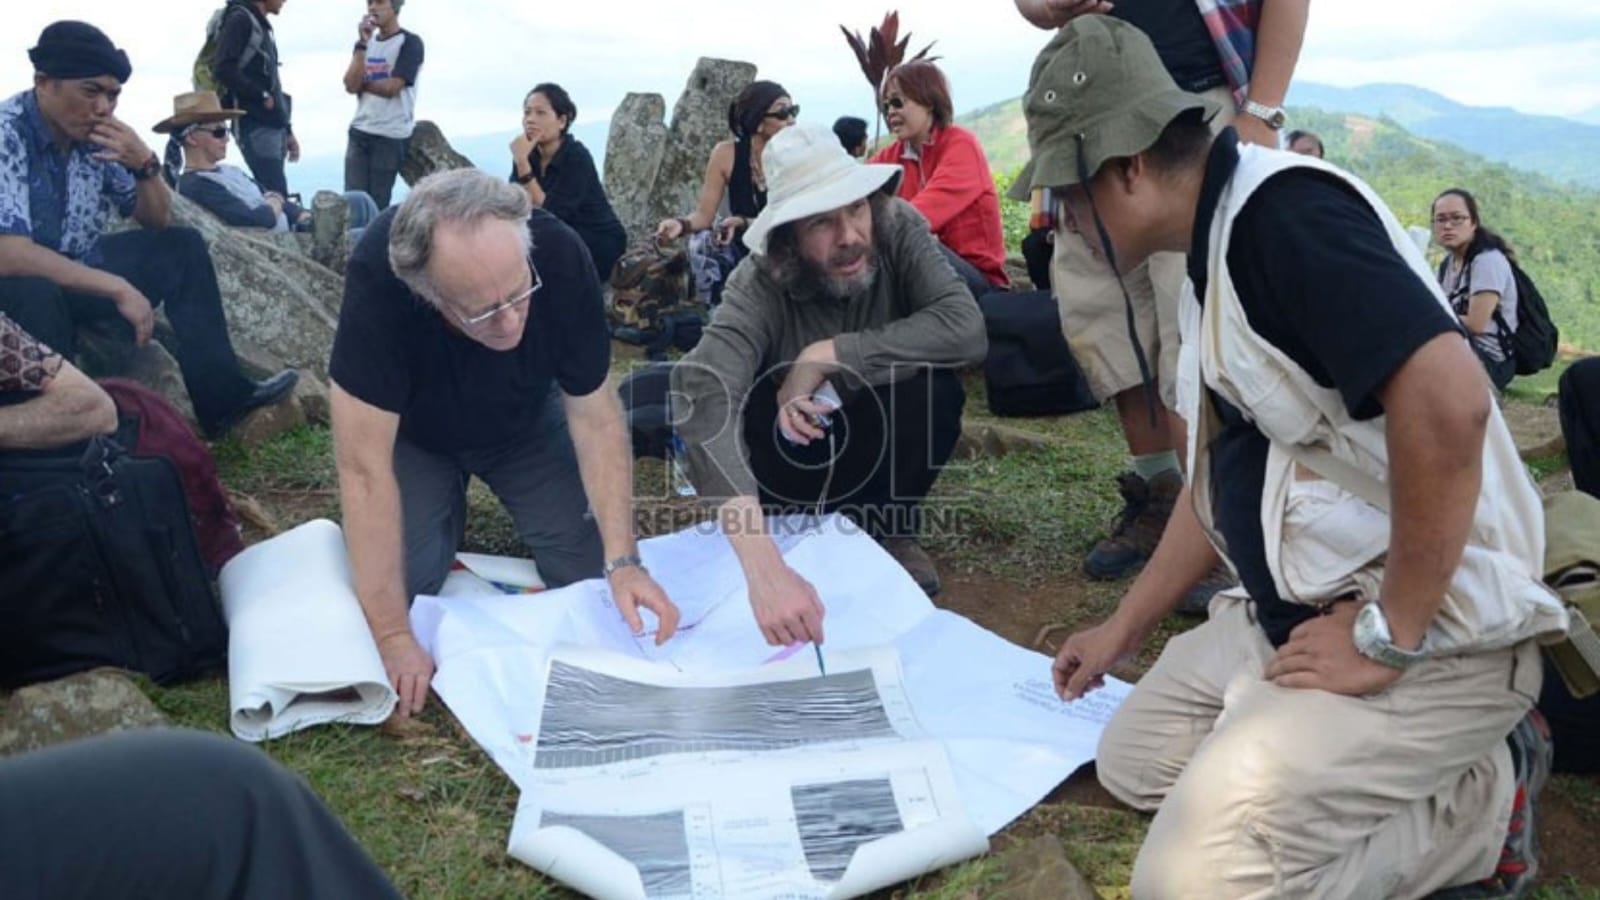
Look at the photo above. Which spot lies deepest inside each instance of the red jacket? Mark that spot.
(952, 187)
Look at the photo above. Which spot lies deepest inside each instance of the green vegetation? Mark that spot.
(1554, 227)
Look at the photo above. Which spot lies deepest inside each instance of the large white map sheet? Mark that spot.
(717, 766)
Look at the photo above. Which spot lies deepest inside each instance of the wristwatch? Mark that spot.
(150, 169)
(1375, 641)
(623, 562)
(1272, 115)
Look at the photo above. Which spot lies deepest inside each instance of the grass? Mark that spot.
(435, 812)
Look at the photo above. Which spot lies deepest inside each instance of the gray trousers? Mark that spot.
(535, 477)
(167, 813)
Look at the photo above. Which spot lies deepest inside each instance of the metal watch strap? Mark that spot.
(622, 562)
(1273, 116)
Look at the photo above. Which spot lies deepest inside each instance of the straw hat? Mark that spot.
(196, 108)
(808, 172)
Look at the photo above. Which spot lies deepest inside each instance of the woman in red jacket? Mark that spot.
(946, 174)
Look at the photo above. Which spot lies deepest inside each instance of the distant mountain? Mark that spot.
(1563, 149)
(1590, 116)
(490, 152)
(1551, 225)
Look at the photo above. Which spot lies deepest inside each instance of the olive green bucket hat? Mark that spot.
(1097, 90)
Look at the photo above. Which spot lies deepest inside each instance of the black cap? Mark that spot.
(71, 49)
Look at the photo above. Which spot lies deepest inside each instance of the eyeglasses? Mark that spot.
(477, 321)
(786, 112)
(893, 103)
(1451, 219)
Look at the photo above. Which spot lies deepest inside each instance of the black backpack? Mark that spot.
(99, 567)
(1533, 344)
(1029, 370)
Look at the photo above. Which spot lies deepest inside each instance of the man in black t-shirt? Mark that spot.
(1356, 722)
(471, 335)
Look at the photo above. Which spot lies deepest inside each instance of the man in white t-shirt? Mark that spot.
(383, 75)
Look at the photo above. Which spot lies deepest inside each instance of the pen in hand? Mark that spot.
(820, 667)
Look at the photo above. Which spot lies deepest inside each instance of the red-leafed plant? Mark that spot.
(878, 54)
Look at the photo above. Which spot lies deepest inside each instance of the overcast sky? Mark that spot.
(482, 55)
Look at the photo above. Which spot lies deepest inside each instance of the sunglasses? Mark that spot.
(893, 103)
(477, 321)
(220, 132)
(786, 112)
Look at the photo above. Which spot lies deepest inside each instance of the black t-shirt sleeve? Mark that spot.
(409, 65)
(1319, 277)
(571, 314)
(369, 346)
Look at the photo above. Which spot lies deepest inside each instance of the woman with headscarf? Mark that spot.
(735, 189)
(559, 176)
(1476, 275)
(947, 175)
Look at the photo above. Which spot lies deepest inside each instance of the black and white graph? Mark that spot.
(657, 845)
(836, 818)
(591, 718)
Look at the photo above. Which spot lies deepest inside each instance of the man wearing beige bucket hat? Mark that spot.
(846, 289)
(1354, 722)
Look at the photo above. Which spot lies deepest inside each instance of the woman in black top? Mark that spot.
(559, 175)
(735, 188)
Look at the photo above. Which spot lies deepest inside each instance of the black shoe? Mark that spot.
(265, 393)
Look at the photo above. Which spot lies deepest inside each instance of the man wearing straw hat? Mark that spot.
(1355, 721)
(65, 160)
(196, 146)
(847, 289)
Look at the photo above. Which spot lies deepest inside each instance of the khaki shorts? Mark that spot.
(1094, 316)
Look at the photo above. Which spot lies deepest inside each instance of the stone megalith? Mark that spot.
(273, 295)
(634, 147)
(430, 152)
(699, 121)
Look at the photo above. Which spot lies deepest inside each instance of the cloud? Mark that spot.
(483, 55)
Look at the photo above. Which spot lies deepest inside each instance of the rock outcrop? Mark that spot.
(78, 706)
(430, 152)
(659, 167)
(634, 148)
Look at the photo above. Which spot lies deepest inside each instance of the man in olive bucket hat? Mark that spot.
(1355, 720)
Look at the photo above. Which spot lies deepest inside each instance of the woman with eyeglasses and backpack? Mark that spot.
(735, 188)
(947, 175)
(1477, 278)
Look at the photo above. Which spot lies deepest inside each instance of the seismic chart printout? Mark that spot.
(773, 783)
(716, 765)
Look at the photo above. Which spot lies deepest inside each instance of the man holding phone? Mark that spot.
(382, 74)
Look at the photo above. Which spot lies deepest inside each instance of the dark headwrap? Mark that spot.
(70, 49)
(744, 118)
(750, 107)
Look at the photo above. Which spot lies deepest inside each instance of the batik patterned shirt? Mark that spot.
(26, 364)
(60, 201)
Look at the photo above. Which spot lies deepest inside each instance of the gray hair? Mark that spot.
(460, 196)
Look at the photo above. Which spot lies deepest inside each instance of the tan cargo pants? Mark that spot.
(1262, 791)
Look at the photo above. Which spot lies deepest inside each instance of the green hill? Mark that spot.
(1554, 227)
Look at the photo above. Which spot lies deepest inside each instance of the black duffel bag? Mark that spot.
(1029, 370)
(99, 567)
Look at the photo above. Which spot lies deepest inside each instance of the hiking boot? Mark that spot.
(918, 564)
(1146, 507)
(1197, 599)
(1531, 754)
